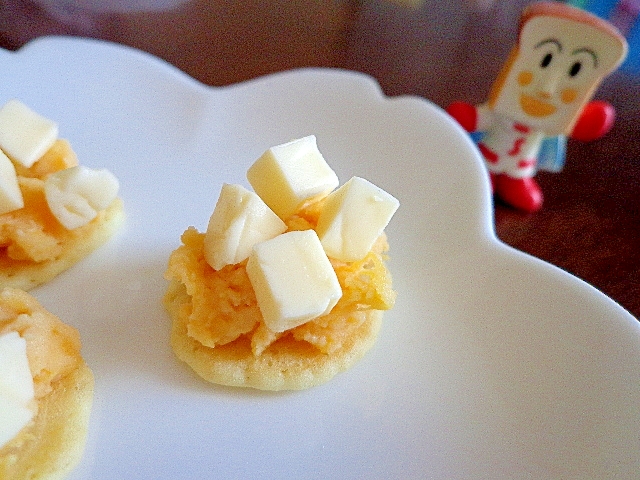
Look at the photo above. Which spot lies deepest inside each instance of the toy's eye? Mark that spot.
(575, 69)
(546, 60)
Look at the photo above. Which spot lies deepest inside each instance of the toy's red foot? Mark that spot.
(521, 193)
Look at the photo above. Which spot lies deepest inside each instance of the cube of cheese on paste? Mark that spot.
(16, 386)
(10, 194)
(353, 217)
(14, 416)
(15, 377)
(239, 221)
(287, 175)
(293, 280)
(75, 195)
(24, 134)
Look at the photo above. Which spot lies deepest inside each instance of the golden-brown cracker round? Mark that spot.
(80, 243)
(52, 445)
(287, 364)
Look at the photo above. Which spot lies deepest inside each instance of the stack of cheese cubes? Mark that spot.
(291, 271)
(75, 195)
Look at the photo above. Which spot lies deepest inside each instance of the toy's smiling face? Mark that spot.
(555, 74)
(554, 71)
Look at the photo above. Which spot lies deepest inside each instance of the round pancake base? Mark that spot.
(287, 364)
(85, 239)
(53, 444)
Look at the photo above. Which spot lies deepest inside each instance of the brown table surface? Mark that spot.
(443, 51)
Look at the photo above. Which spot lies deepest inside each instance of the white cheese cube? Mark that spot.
(75, 195)
(239, 221)
(16, 386)
(24, 134)
(14, 416)
(15, 376)
(10, 194)
(293, 280)
(287, 175)
(353, 217)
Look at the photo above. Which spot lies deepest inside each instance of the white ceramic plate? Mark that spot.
(492, 364)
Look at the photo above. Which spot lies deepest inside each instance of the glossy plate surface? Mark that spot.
(493, 364)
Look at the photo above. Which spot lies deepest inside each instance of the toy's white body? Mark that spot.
(508, 146)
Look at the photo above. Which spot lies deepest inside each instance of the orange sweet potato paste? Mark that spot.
(32, 233)
(223, 305)
(53, 347)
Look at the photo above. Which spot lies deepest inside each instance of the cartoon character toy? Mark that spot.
(543, 90)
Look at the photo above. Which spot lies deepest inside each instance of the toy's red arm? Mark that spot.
(465, 114)
(595, 120)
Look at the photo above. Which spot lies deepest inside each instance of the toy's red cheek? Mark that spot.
(568, 95)
(525, 78)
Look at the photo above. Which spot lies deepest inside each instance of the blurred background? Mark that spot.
(442, 50)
